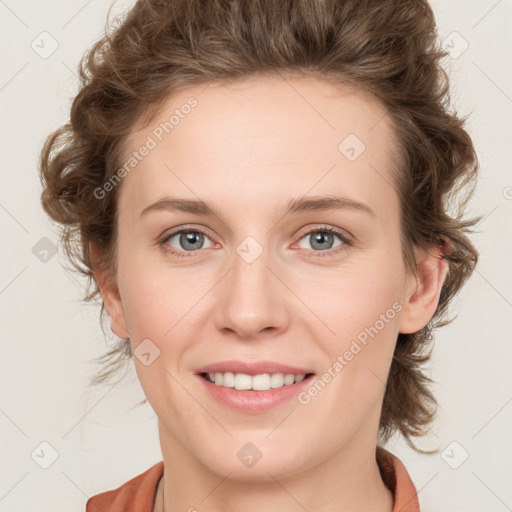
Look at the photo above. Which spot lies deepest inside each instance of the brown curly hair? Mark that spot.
(388, 48)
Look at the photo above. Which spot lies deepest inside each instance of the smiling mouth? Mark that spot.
(260, 382)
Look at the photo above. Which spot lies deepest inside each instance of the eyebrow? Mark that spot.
(294, 205)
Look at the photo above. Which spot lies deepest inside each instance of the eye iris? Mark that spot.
(320, 238)
(187, 240)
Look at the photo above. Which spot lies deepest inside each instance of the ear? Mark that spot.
(109, 290)
(423, 289)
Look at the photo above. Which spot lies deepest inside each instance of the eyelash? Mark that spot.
(347, 242)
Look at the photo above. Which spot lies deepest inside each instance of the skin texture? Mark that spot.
(249, 147)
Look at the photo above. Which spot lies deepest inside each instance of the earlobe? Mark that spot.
(110, 294)
(421, 301)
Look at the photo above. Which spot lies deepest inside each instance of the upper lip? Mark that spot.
(251, 368)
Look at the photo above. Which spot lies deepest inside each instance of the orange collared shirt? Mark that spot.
(139, 493)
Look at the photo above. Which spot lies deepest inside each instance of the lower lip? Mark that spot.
(254, 401)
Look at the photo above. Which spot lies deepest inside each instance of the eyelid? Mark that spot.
(342, 233)
(187, 227)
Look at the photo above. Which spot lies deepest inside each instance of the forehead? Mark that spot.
(263, 135)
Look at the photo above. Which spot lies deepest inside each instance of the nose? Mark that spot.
(253, 299)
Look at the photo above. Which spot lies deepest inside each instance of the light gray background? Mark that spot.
(48, 337)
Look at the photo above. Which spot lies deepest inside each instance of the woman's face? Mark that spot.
(265, 282)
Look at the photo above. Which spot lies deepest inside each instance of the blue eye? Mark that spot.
(190, 240)
(323, 239)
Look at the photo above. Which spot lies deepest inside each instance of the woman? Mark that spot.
(259, 193)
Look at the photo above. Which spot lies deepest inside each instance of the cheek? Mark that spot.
(364, 317)
(154, 305)
(361, 306)
(346, 300)
(153, 299)
(353, 297)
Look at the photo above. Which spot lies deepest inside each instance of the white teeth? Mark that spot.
(242, 381)
(228, 379)
(261, 382)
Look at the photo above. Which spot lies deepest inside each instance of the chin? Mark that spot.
(246, 463)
